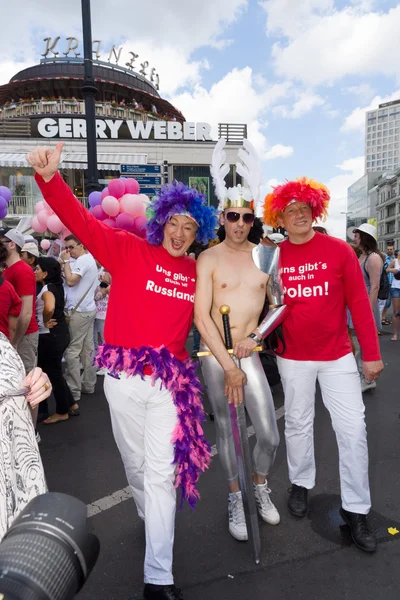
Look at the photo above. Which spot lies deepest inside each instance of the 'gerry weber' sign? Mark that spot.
(72, 127)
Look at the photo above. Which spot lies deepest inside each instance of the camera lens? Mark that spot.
(47, 554)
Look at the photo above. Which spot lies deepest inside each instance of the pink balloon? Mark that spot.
(131, 204)
(116, 188)
(104, 193)
(54, 224)
(99, 213)
(42, 216)
(125, 221)
(45, 244)
(140, 224)
(131, 186)
(39, 206)
(48, 207)
(111, 206)
(37, 226)
(65, 233)
(110, 222)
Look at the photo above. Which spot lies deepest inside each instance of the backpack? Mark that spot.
(384, 285)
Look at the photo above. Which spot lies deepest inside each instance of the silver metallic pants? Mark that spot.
(259, 405)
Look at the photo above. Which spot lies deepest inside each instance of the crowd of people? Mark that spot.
(69, 309)
(53, 310)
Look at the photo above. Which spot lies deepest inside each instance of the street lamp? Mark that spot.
(89, 91)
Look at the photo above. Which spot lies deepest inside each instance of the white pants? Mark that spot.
(143, 420)
(341, 393)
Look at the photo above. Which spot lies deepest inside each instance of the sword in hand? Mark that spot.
(235, 378)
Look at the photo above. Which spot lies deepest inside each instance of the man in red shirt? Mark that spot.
(151, 386)
(22, 277)
(321, 276)
(10, 302)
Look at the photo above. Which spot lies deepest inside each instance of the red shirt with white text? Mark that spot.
(321, 278)
(152, 294)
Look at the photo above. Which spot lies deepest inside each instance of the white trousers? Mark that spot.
(143, 419)
(339, 381)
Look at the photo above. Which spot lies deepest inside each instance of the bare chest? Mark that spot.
(239, 274)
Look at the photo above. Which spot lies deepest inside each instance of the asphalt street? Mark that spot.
(311, 558)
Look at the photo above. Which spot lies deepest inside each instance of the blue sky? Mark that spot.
(301, 73)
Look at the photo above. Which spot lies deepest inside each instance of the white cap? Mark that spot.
(14, 236)
(365, 228)
(31, 248)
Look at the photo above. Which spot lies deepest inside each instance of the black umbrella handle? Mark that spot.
(225, 310)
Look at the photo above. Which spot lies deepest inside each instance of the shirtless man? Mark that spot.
(226, 274)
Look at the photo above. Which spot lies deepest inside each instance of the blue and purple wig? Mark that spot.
(178, 199)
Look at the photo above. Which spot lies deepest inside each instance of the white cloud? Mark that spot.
(224, 102)
(305, 103)
(165, 37)
(289, 17)
(355, 121)
(324, 44)
(279, 151)
(364, 90)
(352, 169)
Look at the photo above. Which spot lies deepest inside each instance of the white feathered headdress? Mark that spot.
(248, 167)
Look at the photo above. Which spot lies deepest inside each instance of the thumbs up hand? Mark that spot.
(46, 160)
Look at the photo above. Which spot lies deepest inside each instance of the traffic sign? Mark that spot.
(150, 181)
(134, 170)
(150, 191)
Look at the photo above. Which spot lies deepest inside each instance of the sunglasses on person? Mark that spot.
(233, 217)
(71, 247)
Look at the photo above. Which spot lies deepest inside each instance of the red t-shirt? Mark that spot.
(22, 277)
(10, 304)
(321, 278)
(152, 294)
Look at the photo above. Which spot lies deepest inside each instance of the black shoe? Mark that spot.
(161, 592)
(194, 353)
(360, 533)
(297, 503)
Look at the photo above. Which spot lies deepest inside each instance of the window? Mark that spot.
(373, 163)
(390, 227)
(378, 163)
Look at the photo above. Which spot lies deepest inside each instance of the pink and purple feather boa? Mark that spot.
(192, 451)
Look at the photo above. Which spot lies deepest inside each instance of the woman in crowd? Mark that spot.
(21, 471)
(53, 336)
(394, 268)
(101, 296)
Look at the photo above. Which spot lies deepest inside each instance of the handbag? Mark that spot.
(68, 313)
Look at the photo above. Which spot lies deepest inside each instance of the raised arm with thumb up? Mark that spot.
(46, 160)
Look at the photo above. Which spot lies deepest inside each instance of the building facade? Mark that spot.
(382, 137)
(135, 127)
(388, 209)
(361, 201)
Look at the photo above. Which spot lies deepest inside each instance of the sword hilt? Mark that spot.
(225, 310)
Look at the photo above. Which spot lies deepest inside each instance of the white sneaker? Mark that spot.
(367, 385)
(237, 521)
(266, 508)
